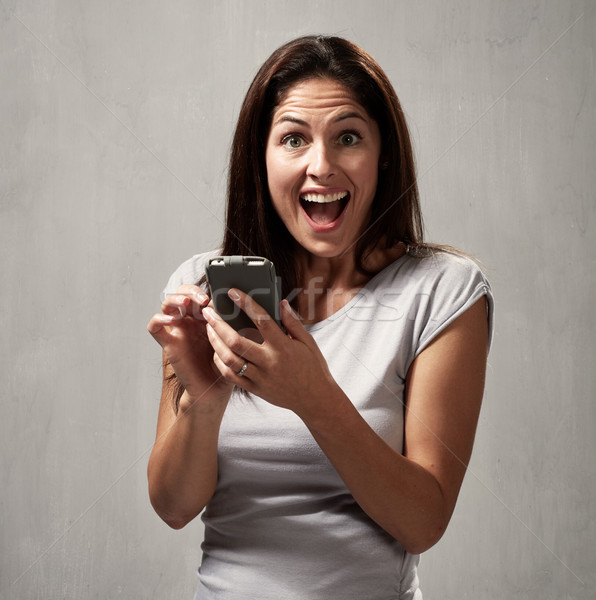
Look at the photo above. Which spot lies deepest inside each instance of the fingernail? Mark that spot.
(234, 295)
(165, 318)
(287, 306)
(208, 314)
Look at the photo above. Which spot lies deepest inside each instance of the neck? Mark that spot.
(332, 273)
(328, 284)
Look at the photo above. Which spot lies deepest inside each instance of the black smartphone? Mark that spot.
(255, 276)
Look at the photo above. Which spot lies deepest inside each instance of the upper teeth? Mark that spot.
(324, 198)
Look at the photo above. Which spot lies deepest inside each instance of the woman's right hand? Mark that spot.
(182, 469)
(180, 331)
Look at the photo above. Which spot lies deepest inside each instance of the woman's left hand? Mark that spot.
(287, 370)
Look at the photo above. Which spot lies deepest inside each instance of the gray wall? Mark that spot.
(115, 123)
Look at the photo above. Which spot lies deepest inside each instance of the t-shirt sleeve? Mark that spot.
(189, 272)
(455, 283)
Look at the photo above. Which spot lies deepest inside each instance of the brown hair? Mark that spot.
(252, 224)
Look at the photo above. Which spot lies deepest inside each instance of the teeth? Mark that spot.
(324, 198)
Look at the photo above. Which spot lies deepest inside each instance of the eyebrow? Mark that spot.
(342, 117)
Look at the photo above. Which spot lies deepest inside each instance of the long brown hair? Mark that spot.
(252, 224)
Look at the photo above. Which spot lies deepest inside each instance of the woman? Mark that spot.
(330, 455)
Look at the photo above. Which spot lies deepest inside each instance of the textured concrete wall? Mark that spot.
(115, 122)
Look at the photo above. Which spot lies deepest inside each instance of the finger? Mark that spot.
(193, 291)
(232, 376)
(256, 313)
(230, 365)
(293, 323)
(227, 356)
(176, 305)
(157, 327)
(225, 340)
(188, 300)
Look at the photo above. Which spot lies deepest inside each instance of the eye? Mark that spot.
(292, 142)
(349, 138)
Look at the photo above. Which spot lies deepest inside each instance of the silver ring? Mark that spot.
(242, 370)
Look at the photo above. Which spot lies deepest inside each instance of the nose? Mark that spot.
(321, 164)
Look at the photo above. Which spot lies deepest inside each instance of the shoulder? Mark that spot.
(435, 269)
(434, 289)
(448, 269)
(190, 271)
(454, 282)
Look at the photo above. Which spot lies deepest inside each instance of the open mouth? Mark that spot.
(324, 209)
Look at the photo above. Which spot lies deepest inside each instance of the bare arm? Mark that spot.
(182, 469)
(412, 496)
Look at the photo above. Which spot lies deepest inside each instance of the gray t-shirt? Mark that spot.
(282, 524)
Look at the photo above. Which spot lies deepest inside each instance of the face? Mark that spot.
(322, 161)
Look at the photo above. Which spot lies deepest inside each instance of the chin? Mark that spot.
(326, 250)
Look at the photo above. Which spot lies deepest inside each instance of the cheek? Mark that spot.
(280, 179)
(367, 174)
(275, 191)
(273, 171)
(275, 184)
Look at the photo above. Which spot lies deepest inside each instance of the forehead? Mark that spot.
(318, 95)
